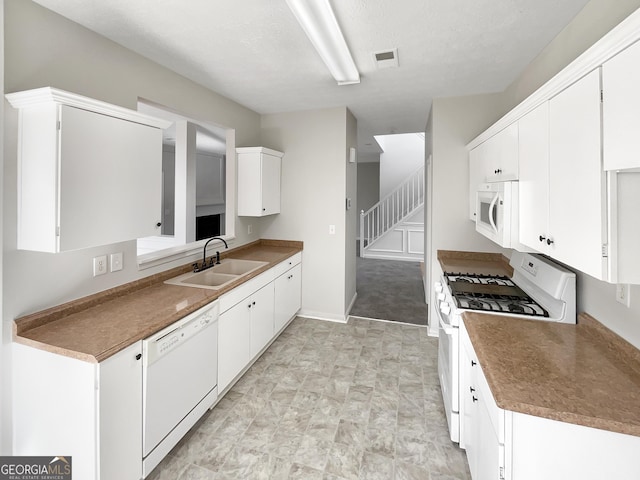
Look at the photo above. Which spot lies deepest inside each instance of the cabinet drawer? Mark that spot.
(287, 264)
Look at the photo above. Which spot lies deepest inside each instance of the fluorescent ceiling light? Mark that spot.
(319, 23)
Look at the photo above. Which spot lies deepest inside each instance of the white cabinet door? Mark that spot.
(500, 155)
(120, 413)
(110, 179)
(258, 181)
(89, 173)
(576, 181)
(270, 184)
(234, 342)
(262, 326)
(534, 178)
(288, 288)
(621, 122)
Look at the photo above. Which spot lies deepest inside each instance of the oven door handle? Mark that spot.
(492, 207)
(448, 329)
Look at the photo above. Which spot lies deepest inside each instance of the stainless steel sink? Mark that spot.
(217, 276)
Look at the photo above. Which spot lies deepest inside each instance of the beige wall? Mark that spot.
(314, 182)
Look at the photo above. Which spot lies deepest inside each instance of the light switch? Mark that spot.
(116, 261)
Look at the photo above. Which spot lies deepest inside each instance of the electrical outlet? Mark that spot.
(623, 295)
(249, 229)
(116, 261)
(99, 265)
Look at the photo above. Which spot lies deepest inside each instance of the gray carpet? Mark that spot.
(390, 290)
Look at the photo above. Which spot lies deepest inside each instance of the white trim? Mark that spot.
(356, 317)
(29, 98)
(409, 243)
(323, 316)
(353, 301)
(619, 38)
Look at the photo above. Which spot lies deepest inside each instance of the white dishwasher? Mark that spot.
(179, 380)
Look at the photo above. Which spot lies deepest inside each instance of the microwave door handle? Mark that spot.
(492, 207)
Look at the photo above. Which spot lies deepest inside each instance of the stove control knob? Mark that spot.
(441, 296)
(437, 286)
(445, 308)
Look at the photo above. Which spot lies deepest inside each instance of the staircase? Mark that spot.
(391, 211)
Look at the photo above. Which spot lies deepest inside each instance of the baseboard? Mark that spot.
(322, 316)
(353, 301)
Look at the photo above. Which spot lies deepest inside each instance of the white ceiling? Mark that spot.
(254, 52)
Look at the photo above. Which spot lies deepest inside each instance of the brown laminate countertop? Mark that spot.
(582, 374)
(94, 328)
(453, 261)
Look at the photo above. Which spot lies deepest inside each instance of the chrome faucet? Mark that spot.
(204, 265)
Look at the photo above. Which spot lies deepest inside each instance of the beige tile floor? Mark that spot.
(328, 401)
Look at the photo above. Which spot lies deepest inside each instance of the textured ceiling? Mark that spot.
(254, 52)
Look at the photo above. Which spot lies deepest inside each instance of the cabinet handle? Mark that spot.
(475, 399)
(159, 224)
(253, 303)
(473, 364)
(549, 241)
(138, 356)
(542, 238)
(249, 306)
(471, 389)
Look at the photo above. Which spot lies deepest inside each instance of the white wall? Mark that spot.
(402, 155)
(352, 215)
(313, 197)
(454, 122)
(42, 49)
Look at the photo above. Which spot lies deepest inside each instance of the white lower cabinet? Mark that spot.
(91, 412)
(288, 288)
(253, 314)
(506, 445)
(481, 420)
(261, 311)
(234, 343)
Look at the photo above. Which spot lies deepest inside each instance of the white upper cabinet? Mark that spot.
(89, 173)
(534, 178)
(495, 160)
(621, 122)
(577, 201)
(258, 181)
(499, 157)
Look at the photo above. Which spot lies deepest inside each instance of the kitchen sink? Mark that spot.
(235, 266)
(217, 276)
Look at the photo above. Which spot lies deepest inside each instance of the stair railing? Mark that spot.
(392, 209)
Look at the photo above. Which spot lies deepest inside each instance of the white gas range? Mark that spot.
(539, 289)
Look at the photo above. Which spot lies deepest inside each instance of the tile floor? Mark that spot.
(328, 401)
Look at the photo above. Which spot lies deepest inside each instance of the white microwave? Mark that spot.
(497, 213)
